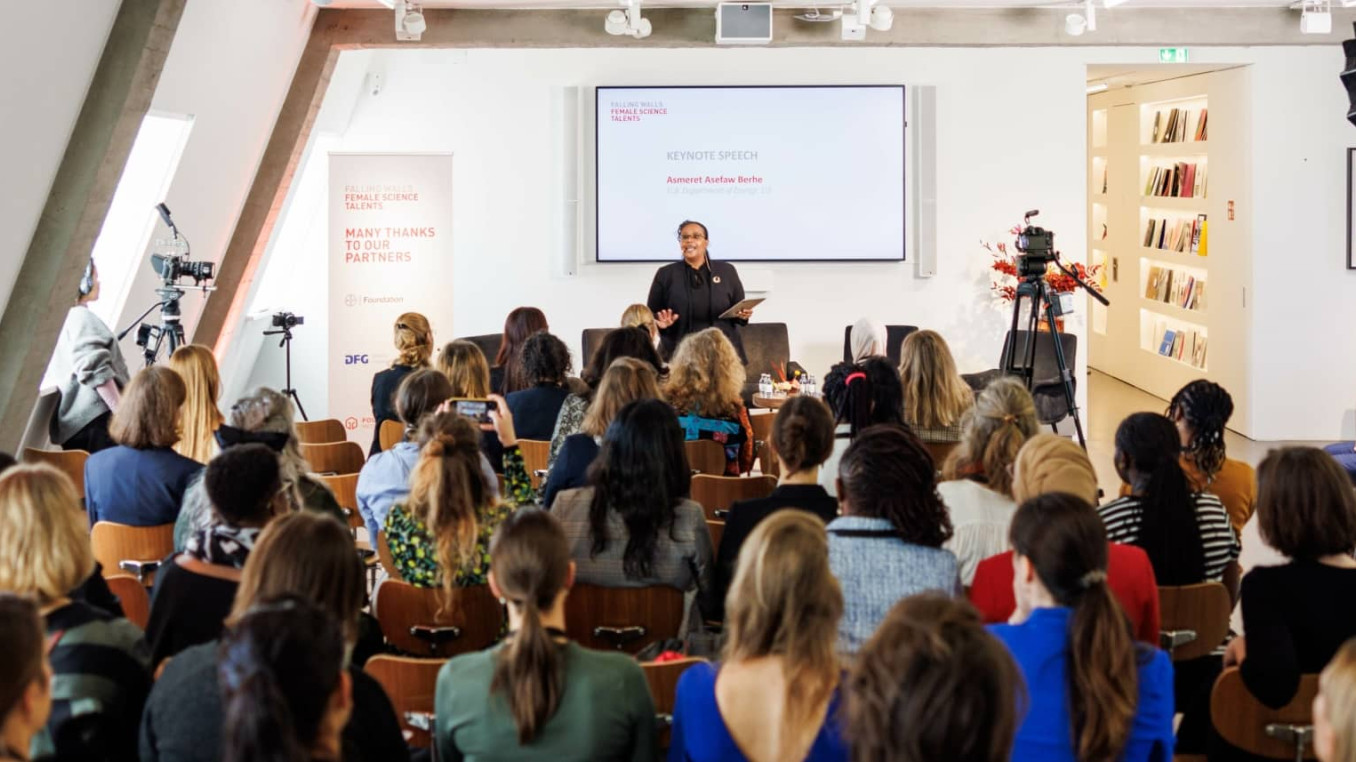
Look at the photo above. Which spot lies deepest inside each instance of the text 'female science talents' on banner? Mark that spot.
(390, 252)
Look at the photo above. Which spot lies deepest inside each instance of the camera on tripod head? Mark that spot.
(287, 321)
(1037, 246)
(172, 267)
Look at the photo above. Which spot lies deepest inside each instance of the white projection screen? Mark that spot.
(776, 173)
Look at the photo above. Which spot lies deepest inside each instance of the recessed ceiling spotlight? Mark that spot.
(1113, 3)
(1100, 87)
(861, 14)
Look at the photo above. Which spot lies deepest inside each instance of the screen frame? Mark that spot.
(903, 170)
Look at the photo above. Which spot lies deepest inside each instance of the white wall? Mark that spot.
(41, 94)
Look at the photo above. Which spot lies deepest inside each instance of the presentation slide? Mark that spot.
(775, 173)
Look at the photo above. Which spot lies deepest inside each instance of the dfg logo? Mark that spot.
(355, 359)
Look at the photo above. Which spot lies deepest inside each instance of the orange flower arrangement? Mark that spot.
(1004, 283)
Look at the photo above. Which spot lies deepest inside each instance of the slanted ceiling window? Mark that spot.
(122, 244)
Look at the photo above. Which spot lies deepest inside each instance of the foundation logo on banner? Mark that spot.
(635, 111)
(358, 300)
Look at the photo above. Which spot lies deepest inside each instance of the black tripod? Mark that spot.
(1033, 288)
(152, 337)
(286, 344)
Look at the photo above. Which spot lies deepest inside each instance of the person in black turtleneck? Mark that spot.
(689, 296)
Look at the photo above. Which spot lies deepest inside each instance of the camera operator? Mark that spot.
(89, 371)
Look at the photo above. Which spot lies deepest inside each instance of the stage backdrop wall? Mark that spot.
(390, 251)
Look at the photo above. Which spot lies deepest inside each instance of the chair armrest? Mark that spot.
(435, 635)
(1170, 639)
(722, 515)
(420, 720)
(540, 473)
(139, 569)
(620, 636)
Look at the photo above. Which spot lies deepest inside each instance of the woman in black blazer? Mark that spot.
(414, 345)
(689, 296)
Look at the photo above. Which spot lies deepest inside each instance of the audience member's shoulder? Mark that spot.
(95, 626)
(1155, 672)
(604, 664)
(473, 666)
(191, 666)
(571, 503)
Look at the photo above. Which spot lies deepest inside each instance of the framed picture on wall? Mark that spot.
(1351, 211)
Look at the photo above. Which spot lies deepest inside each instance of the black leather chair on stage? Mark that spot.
(894, 339)
(590, 340)
(1046, 387)
(767, 347)
(488, 343)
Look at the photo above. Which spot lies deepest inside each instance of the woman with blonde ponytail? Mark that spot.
(537, 695)
(1096, 695)
(440, 533)
(978, 486)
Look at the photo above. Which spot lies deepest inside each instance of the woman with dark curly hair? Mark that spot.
(635, 526)
(887, 544)
(546, 367)
(1201, 409)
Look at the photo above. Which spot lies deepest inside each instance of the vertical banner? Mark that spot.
(390, 252)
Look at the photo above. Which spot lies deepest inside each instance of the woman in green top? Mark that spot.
(537, 695)
(450, 497)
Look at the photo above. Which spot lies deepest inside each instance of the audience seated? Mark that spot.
(466, 369)
(200, 417)
(932, 685)
(1050, 463)
(100, 663)
(887, 544)
(859, 396)
(635, 526)
(778, 695)
(194, 591)
(266, 417)
(935, 396)
(385, 477)
(620, 342)
(1185, 533)
(451, 512)
(640, 316)
(706, 387)
(25, 677)
(539, 696)
(286, 693)
(414, 346)
(301, 554)
(1335, 708)
(867, 339)
(546, 366)
(802, 438)
(627, 379)
(978, 490)
(507, 374)
(1201, 409)
(1094, 694)
(141, 481)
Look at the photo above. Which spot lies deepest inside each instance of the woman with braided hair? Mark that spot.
(859, 395)
(1201, 409)
(887, 544)
(978, 486)
(1072, 644)
(1186, 533)
(440, 534)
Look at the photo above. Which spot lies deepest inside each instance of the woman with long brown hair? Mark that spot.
(464, 365)
(935, 396)
(706, 387)
(200, 418)
(538, 697)
(413, 339)
(507, 374)
(776, 694)
(1098, 697)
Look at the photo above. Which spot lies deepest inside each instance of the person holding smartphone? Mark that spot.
(690, 296)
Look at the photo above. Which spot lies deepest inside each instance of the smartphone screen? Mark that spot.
(476, 410)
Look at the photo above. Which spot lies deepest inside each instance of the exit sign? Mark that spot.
(1172, 55)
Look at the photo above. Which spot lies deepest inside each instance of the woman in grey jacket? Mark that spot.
(90, 373)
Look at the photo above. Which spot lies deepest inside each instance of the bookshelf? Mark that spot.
(1169, 177)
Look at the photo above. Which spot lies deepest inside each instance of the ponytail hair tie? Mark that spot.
(858, 376)
(1009, 418)
(1094, 577)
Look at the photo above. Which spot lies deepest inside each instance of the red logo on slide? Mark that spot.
(635, 111)
(351, 423)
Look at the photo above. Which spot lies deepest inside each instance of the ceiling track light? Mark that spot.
(409, 21)
(627, 21)
(1075, 24)
(860, 14)
(1316, 16)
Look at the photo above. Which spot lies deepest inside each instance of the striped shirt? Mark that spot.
(1123, 517)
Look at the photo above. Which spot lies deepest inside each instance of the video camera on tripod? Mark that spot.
(172, 266)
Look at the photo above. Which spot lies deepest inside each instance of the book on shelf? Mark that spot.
(1181, 235)
(1177, 126)
(1165, 346)
(1182, 180)
(1198, 236)
(1104, 184)
(1158, 119)
(1185, 345)
(1200, 126)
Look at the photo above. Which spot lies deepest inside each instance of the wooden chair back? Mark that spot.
(718, 493)
(1245, 723)
(428, 622)
(387, 560)
(334, 457)
(68, 462)
(622, 618)
(345, 489)
(536, 454)
(321, 432)
(662, 677)
(717, 530)
(136, 602)
(762, 435)
(706, 456)
(940, 451)
(1195, 619)
(411, 685)
(391, 434)
(142, 548)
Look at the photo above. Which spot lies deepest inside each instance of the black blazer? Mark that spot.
(670, 291)
(746, 514)
(384, 386)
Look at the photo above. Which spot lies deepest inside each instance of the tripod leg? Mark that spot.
(1065, 377)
